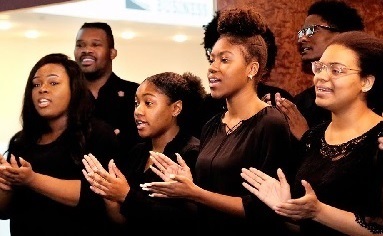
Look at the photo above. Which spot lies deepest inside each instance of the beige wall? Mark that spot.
(135, 61)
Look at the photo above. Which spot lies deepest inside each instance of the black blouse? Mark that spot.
(347, 176)
(156, 213)
(263, 142)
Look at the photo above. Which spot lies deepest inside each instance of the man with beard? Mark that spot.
(113, 96)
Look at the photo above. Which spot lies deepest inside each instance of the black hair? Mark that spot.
(245, 27)
(186, 87)
(211, 36)
(103, 26)
(337, 14)
(369, 50)
(79, 110)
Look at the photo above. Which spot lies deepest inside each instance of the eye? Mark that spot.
(35, 85)
(135, 103)
(224, 60)
(337, 70)
(54, 83)
(148, 103)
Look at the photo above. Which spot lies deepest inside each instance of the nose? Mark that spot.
(303, 39)
(137, 110)
(43, 88)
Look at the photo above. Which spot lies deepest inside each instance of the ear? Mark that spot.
(113, 53)
(177, 108)
(254, 67)
(367, 83)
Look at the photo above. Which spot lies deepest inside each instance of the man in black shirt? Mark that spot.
(114, 97)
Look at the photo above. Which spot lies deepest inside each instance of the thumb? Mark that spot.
(24, 163)
(281, 177)
(307, 186)
(117, 171)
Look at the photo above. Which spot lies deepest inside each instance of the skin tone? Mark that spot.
(351, 117)
(156, 118)
(51, 97)
(228, 78)
(311, 49)
(94, 56)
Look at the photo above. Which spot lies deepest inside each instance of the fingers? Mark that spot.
(13, 161)
(158, 172)
(181, 161)
(380, 139)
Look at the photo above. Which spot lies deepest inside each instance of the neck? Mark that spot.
(346, 125)
(248, 99)
(94, 85)
(159, 143)
(58, 126)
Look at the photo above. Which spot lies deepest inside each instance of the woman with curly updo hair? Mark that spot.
(250, 132)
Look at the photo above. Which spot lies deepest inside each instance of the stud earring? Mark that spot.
(250, 77)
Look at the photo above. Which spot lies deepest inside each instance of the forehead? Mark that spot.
(340, 54)
(314, 20)
(224, 45)
(147, 87)
(51, 68)
(92, 33)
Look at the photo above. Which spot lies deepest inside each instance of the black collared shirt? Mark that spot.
(115, 105)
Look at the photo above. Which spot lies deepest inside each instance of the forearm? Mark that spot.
(63, 191)
(224, 203)
(113, 211)
(340, 220)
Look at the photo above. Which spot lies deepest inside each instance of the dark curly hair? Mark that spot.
(186, 87)
(245, 27)
(337, 14)
(369, 50)
(79, 110)
(211, 36)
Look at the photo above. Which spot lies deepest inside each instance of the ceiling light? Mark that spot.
(179, 38)
(128, 35)
(4, 25)
(32, 34)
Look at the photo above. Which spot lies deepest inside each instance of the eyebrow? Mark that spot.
(221, 53)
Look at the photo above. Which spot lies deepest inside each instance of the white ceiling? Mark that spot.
(64, 27)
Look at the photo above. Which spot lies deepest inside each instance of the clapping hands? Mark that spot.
(111, 185)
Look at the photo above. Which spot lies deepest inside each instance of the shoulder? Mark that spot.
(124, 83)
(271, 115)
(264, 89)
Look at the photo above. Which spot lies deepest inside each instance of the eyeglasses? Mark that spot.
(312, 29)
(334, 70)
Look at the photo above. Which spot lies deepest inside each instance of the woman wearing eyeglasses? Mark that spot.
(325, 19)
(338, 188)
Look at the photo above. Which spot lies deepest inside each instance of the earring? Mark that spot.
(250, 77)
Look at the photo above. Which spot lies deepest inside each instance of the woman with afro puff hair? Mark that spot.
(250, 132)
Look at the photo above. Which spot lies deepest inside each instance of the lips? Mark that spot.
(141, 124)
(305, 49)
(85, 61)
(43, 102)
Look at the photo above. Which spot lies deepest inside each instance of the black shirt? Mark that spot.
(115, 105)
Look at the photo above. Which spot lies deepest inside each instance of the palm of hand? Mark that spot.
(273, 193)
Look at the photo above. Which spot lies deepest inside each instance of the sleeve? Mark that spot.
(103, 144)
(276, 147)
(374, 220)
